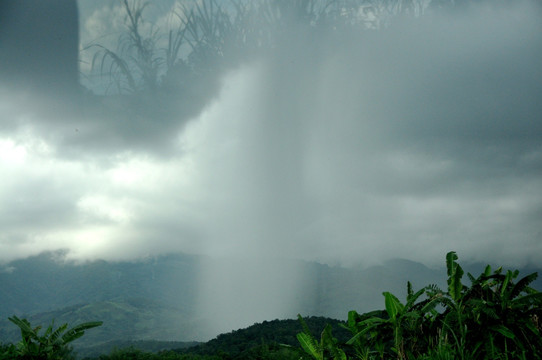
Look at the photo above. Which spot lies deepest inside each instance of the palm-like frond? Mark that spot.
(79, 330)
(522, 285)
(55, 336)
(308, 342)
(26, 330)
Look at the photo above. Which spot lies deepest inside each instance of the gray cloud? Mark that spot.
(339, 146)
(420, 131)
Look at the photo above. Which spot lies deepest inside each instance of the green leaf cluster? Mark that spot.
(496, 317)
(53, 344)
(327, 345)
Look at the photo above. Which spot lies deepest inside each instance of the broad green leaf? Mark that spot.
(87, 325)
(339, 354)
(352, 318)
(455, 273)
(505, 282)
(366, 325)
(55, 336)
(409, 290)
(522, 285)
(487, 270)
(393, 305)
(430, 306)
(307, 341)
(303, 324)
(411, 299)
(326, 337)
(310, 346)
(49, 329)
(330, 343)
(451, 257)
(504, 331)
(24, 325)
(433, 290)
(372, 321)
(531, 299)
(354, 338)
(77, 331)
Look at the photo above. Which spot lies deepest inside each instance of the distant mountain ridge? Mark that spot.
(45, 283)
(156, 298)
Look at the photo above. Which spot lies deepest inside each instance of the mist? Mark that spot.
(343, 146)
(354, 148)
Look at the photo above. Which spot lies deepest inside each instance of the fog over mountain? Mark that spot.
(340, 145)
(164, 297)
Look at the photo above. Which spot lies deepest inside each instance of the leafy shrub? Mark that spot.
(496, 317)
(51, 345)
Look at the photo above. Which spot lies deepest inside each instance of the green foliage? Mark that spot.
(317, 349)
(267, 340)
(455, 273)
(496, 317)
(7, 351)
(272, 340)
(51, 345)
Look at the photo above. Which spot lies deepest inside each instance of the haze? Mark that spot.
(342, 146)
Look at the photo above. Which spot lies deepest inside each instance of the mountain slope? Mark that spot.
(46, 282)
(160, 298)
(270, 333)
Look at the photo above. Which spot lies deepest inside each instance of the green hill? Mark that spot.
(274, 339)
(157, 298)
(239, 343)
(124, 322)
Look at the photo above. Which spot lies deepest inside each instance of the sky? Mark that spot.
(348, 149)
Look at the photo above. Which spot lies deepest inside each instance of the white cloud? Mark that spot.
(11, 153)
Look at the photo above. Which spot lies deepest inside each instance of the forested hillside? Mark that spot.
(155, 299)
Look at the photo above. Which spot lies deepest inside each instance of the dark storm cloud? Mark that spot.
(339, 145)
(429, 130)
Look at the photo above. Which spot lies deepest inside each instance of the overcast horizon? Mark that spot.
(347, 147)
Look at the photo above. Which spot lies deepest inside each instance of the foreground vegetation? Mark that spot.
(53, 344)
(274, 339)
(496, 317)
